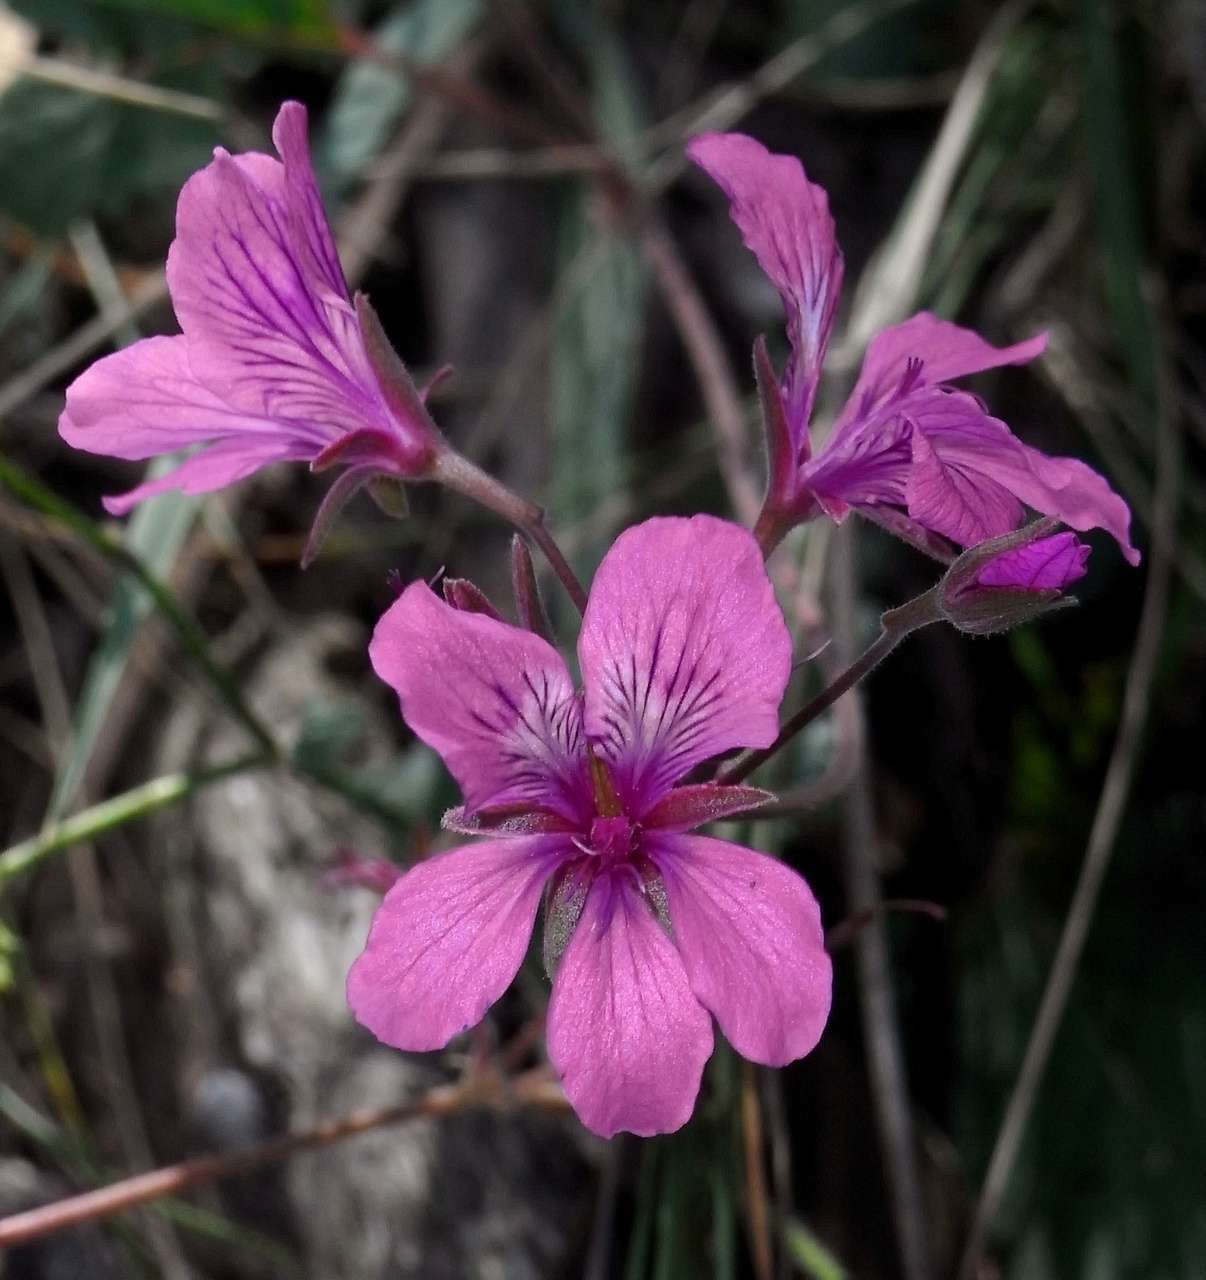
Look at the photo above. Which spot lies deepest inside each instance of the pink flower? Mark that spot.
(275, 361)
(684, 654)
(908, 450)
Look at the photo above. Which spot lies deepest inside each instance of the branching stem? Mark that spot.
(457, 472)
(895, 625)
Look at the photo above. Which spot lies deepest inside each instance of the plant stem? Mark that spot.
(139, 802)
(459, 473)
(531, 1089)
(194, 640)
(895, 625)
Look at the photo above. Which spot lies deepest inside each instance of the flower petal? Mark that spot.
(496, 702)
(925, 351)
(1051, 564)
(784, 220)
(449, 938)
(144, 401)
(214, 467)
(749, 932)
(959, 503)
(258, 291)
(684, 652)
(625, 1034)
(982, 449)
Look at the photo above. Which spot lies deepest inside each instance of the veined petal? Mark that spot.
(684, 652)
(495, 701)
(258, 291)
(311, 233)
(866, 465)
(214, 467)
(925, 351)
(449, 938)
(959, 503)
(145, 400)
(981, 449)
(749, 933)
(1051, 564)
(784, 220)
(625, 1034)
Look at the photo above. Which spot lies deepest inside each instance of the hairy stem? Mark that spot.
(457, 472)
(895, 625)
(532, 1089)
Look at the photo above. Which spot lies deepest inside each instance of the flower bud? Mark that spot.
(1016, 578)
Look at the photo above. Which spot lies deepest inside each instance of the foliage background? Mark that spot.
(457, 141)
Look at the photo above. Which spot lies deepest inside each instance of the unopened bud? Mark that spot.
(528, 605)
(1006, 581)
(463, 595)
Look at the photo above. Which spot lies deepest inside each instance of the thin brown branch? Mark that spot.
(755, 1175)
(1111, 806)
(534, 1089)
(845, 931)
(706, 352)
(877, 999)
(363, 225)
(458, 90)
(81, 344)
(724, 107)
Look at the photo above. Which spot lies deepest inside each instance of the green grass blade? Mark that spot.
(195, 642)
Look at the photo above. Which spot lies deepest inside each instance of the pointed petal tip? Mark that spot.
(119, 504)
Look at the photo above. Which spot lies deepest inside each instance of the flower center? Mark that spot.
(612, 839)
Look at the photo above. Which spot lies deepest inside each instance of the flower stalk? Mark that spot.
(895, 626)
(456, 472)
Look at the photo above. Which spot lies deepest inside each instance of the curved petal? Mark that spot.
(684, 652)
(958, 471)
(925, 351)
(998, 472)
(214, 467)
(496, 702)
(144, 401)
(784, 220)
(749, 933)
(1051, 564)
(960, 503)
(625, 1034)
(448, 939)
(257, 289)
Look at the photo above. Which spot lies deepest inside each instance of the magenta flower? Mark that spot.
(684, 654)
(908, 450)
(275, 362)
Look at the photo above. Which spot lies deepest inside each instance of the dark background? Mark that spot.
(176, 986)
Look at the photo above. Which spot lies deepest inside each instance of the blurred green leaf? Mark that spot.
(331, 729)
(25, 287)
(596, 347)
(402, 792)
(155, 533)
(369, 98)
(308, 20)
(810, 1255)
(66, 154)
(687, 1199)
